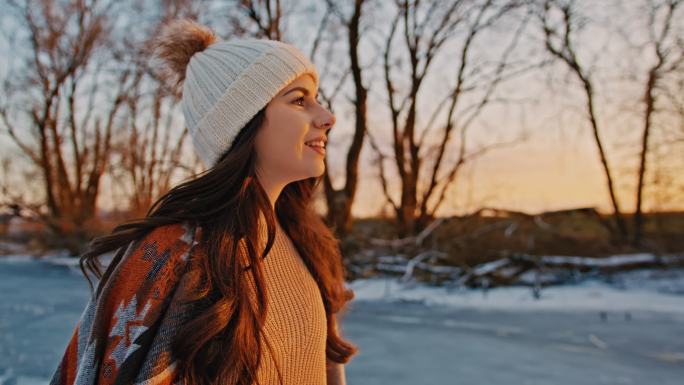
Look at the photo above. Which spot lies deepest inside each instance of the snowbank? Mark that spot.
(643, 290)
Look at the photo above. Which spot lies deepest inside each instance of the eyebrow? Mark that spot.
(301, 89)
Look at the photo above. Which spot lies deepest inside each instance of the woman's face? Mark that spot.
(285, 152)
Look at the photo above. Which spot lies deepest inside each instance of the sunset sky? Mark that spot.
(556, 167)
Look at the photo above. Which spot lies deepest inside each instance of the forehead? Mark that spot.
(303, 81)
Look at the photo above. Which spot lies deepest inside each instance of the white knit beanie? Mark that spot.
(226, 83)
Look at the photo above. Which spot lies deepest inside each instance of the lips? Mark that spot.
(317, 145)
(320, 150)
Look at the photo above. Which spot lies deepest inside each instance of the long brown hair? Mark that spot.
(221, 345)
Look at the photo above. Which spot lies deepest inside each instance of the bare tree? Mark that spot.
(558, 21)
(265, 15)
(427, 27)
(669, 55)
(148, 152)
(340, 201)
(98, 106)
(71, 151)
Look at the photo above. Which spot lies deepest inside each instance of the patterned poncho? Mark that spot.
(124, 335)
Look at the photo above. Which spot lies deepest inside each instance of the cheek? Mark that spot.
(282, 143)
(289, 147)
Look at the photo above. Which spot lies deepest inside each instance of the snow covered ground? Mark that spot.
(628, 330)
(641, 290)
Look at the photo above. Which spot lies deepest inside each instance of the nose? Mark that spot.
(326, 119)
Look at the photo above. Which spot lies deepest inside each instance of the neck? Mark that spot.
(272, 186)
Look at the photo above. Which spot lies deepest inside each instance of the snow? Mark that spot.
(415, 333)
(638, 290)
(61, 258)
(490, 266)
(641, 290)
(615, 260)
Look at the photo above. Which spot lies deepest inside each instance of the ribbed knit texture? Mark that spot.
(295, 323)
(229, 82)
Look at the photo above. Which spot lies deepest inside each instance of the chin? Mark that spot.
(316, 172)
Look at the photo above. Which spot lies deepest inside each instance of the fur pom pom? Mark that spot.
(175, 44)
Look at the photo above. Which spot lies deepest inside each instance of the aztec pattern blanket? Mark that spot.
(124, 336)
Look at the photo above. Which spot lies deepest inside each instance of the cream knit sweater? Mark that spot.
(295, 322)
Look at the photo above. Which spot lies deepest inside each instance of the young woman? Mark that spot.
(231, 278)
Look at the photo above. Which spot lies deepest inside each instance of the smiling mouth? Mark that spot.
(320, 150)
(316, 145)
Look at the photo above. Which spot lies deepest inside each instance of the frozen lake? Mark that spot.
(589, 334)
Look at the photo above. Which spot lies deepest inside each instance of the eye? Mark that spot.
(299, 99)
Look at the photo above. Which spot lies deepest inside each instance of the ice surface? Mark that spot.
(619, 330)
